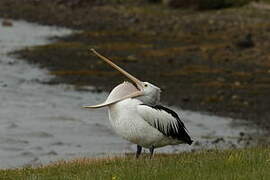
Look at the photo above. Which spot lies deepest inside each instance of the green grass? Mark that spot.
(243, 164)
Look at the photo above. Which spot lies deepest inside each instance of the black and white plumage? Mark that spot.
(166, 121)
(135, 114)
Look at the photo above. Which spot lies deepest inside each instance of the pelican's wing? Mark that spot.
(165, 120)
(122, 91)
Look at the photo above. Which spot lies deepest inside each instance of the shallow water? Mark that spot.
(41, 123)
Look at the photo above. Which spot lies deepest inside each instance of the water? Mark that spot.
(41, 123)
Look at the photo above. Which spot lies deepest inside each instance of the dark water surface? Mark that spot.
(41, 123)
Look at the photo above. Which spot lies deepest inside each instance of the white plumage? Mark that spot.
(129, 124)
(136, 116)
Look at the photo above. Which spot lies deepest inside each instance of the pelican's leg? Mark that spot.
(139, 150)
(151, 151)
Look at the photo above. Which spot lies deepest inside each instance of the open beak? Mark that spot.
(138, 83)
(122, 91)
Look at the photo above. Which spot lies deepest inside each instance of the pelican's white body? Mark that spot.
(129, 124)
(136, 116)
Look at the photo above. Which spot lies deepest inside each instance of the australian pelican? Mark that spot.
(135, 114)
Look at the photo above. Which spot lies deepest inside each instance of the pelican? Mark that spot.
(136, 115)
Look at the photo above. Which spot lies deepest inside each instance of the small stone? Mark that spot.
(134, 20)
(52, 153)
(59, 143)
(197, 143)
(132, 58)
(11, 62)
(246, 42)
(234, 97)
(221, 98)
(186, 99)
(27, 153)
(246, 103)
(97, 90)
(218, 140)
(237, 83)
(170, 61)
(211, 21)
(220, 93)
(171, 3)
(7, 23)
(12, 125)
(153, 1)
(221, 79)
(242, 134)
(3, 85)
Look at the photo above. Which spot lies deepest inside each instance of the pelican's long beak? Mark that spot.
(129, 76)
(122, 91)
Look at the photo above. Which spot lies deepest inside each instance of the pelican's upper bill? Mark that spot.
(122, 91)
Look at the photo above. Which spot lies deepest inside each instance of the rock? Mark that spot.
(186, 99)
(246, 42)
(235, 97)
(52, 153)
(153, 1)
(12, 125)
(241, 134)
(170, 61)
(218, 140)
(237, 83)
(7, 23)
(134, 20)
(246, 103)
(211, 21)
(59, 143)
(197, 143)
(221, 79)
(3, 85)
(131, 58)
(11, 62)
(175, 3)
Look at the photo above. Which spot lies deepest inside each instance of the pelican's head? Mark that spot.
(150, 94)
(144, 91)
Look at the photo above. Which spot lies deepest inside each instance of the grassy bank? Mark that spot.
(229, 164)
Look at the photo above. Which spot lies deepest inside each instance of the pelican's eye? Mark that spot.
(145, 85)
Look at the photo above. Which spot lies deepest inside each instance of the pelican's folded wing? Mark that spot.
(165, 120)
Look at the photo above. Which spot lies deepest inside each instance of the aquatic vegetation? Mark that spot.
(193, 69)
(123, 46)
(83, 72)
(60, 45)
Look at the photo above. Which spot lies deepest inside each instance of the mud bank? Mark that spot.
(210, 61)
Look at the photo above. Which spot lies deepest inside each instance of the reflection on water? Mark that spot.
(41, 123)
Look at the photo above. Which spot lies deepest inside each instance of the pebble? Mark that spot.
(132, 58)
(234, 97)
(7, 23)
(237, 83)
(52, 153)
(246, 103)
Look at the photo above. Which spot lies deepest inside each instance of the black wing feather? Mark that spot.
(177, 131)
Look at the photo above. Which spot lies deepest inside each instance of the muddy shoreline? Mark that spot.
(212, 61)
